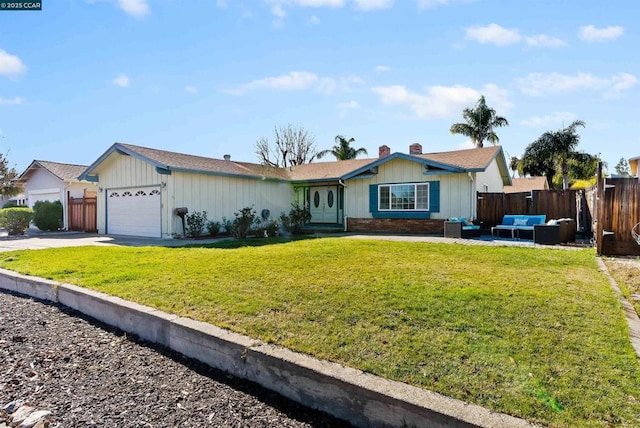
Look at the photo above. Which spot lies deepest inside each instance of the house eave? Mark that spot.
(225, 174)
(122, 150)
(427, 163)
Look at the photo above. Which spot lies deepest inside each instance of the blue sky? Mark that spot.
(211, 77)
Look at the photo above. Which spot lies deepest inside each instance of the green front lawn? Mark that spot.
(530, 332)
(626, 272)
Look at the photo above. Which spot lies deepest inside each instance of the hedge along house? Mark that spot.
(53, 181)
(141, 188)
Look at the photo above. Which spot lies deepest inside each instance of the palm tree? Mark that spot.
(560, 145)
(343, 150)
(479, 125)
(515, 165)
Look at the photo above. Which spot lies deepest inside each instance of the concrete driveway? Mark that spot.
(38, 241)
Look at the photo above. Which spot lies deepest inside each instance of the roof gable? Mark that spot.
(62, 171)
(427, 163)
(165, 162)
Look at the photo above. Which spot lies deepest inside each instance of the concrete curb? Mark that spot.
(360, 398)
(633, 321)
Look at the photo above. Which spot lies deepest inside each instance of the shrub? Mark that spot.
(259, 229)
(195, 223)
(10, 204)
(47, 215)
(213, 227)
(227, 226)
(243, 222)
(15, 220)
(272, 228)
(296, 219)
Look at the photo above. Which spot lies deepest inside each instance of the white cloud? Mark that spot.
(542, 40)
(442, 101)
(10, 102)
(294, 80)
(383, 68)
(135, 8)
(541, 84)
(278, 11)
(373, 4)
(556, 119)
(428, 4)
(278, 6)
(122, 81)
(222, 4)
(191, 89)
(493, 34)
(350, 105)
(343, 108)
(301, 80)
(592, 34)
(314, 20)
(11, 65)
(329, 85)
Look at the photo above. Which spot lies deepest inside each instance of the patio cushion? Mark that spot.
(520, 222)
(507, 221)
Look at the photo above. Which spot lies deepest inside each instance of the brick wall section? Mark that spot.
(403, 226)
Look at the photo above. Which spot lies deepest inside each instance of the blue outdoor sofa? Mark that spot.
(517, 223)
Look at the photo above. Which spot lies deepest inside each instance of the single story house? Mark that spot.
(527, 184)
(139, 189)
(53, 181)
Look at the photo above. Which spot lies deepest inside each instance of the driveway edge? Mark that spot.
(349, 394)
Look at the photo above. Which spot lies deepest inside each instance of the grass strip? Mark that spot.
(534, 333)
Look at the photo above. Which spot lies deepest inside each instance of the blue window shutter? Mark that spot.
(373, 198)
(434, 196)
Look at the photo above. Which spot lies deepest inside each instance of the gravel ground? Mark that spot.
(88, 374)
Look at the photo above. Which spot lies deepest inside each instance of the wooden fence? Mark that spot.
(617, 210)
(554, 204)
(83, 214)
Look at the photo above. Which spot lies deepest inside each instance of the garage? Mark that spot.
(134, 211)
(50, 195)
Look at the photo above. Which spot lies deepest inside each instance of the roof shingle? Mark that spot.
(466, 159)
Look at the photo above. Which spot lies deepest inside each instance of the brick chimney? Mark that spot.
(415, 149)
(384, 151)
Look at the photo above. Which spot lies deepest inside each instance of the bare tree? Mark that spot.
(293, 145)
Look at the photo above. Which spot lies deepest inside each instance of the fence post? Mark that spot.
(599, 209)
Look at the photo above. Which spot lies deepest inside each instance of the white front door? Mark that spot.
(323, 203)
(134, 211)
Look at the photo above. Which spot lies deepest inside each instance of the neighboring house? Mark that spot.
(140, 189)
(20, 200)
(53, 181)
(527, 184)
(633, 166)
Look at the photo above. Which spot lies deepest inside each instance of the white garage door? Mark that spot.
(134, 211)
(40, 196)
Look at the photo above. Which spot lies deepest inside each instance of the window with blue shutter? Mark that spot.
(404, 200)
